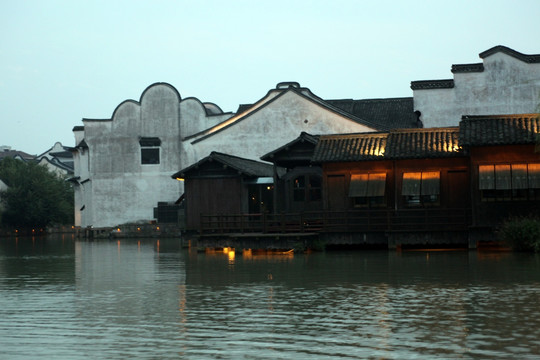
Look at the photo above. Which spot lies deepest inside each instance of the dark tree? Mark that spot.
(35, 197)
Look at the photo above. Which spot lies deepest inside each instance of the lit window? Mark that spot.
(421, 188)
(149, 150)
(505, 182)
(368, 189)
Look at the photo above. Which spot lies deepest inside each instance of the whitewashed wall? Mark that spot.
(506, 86)
(114, 188)
(274, 124)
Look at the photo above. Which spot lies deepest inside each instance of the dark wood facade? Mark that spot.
(406, 180)
(404, 186)
(340, 176)
(300, 188)
(505, 166)
(224, 184)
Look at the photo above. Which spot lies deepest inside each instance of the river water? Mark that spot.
(62, 298)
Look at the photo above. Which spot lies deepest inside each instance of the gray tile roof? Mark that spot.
(15, 154)
(286, 149)
(423, 143)
(499, 129)
(397, 144)
(245, 167)
(350, 147)
(391, 113)
(467, 68)
(432, 84)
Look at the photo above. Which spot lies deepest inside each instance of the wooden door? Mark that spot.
(457, 191)
(336, 193)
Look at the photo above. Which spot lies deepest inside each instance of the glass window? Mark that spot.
(421, 188)
(367, 189)
(299, 188)
(503, 182)
(486, 177)
(149, 150)
(534, 176)
(315, 184)
(149, 156)
(307, 188)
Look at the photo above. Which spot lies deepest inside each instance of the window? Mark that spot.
(299, 189)
(149, 150)
(307, 188)
(368, 190)
(421, 188)
(315, 184)
(507, 182)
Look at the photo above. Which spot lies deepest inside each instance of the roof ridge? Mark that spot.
(427, 130)
(213, 153)
(500, 116)
(528, 58)
(355, 135)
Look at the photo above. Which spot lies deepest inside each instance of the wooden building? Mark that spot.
(222, 184)
(398, 184)
(300, 188)
(407, 187)
(505, 166)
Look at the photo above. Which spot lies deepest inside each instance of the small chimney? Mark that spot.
(419, 123)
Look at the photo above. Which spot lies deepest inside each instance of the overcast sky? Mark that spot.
(64, 60)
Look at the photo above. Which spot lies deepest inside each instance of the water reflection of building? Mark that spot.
(118, 275)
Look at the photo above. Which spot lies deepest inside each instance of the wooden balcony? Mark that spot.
(404, 220)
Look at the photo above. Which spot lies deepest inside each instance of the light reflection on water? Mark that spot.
(150, 299)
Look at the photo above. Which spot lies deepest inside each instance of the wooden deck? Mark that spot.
(309, 223)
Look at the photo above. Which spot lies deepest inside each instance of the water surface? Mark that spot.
(150, 299)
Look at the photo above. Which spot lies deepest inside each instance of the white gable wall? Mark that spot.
(115, 188)
(506, 86)
(121, 189)
(271, 126)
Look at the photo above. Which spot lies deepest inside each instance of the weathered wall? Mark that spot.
(506, 86)
(121, 189)
(116, 188)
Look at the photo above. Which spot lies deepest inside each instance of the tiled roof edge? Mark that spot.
(535, 58)
(432, 84)
(467, 68)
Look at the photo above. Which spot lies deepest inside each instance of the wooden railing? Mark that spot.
(426, 219)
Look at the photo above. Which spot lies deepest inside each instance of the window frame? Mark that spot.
(416, 185)
(364, 189)
(500, 182)
(150, 150)
(307, 188)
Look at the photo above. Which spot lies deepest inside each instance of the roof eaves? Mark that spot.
(304, 136)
